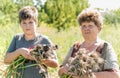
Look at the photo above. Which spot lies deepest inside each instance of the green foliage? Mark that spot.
(6, 34)
(14, 66)
(22, 3)
(112, 17)
(62, 13)
(66, 76)
(9, 10)
(117, 13)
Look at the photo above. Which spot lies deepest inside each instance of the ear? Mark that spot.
(99, 29)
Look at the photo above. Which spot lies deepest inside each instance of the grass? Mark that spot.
(63, 39)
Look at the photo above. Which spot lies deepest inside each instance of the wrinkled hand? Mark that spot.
(25, 52)
(75, 76)
(63, 70)
(85, 76)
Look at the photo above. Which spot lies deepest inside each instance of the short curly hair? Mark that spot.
(28, 12)
(90, 15)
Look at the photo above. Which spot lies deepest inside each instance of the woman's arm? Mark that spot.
(107, 74)
(63, 70)
(111, 63)
(63, 67)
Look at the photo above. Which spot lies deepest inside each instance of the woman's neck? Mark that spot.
(91, 44)
(90, 41)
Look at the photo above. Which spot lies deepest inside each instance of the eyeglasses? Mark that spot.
(87, 27)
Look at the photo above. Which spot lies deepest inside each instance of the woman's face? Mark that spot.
(28, 26)
(89, 30)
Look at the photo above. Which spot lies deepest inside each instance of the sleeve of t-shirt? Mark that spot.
(111, 59)
(46, 40)
(12, 45)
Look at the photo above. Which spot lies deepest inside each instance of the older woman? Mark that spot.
(90, 22)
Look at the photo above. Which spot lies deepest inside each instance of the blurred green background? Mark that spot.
(57, 20)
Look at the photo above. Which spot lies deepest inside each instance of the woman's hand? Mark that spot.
(63, 70)
(25, 52)
(75, 76)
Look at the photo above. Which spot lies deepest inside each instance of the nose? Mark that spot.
(86, 28)
(28, 25)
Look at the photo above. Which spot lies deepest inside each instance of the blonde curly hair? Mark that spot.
(91, 15)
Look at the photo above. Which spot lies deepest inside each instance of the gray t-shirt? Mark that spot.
(110, 57)
(19, 41)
